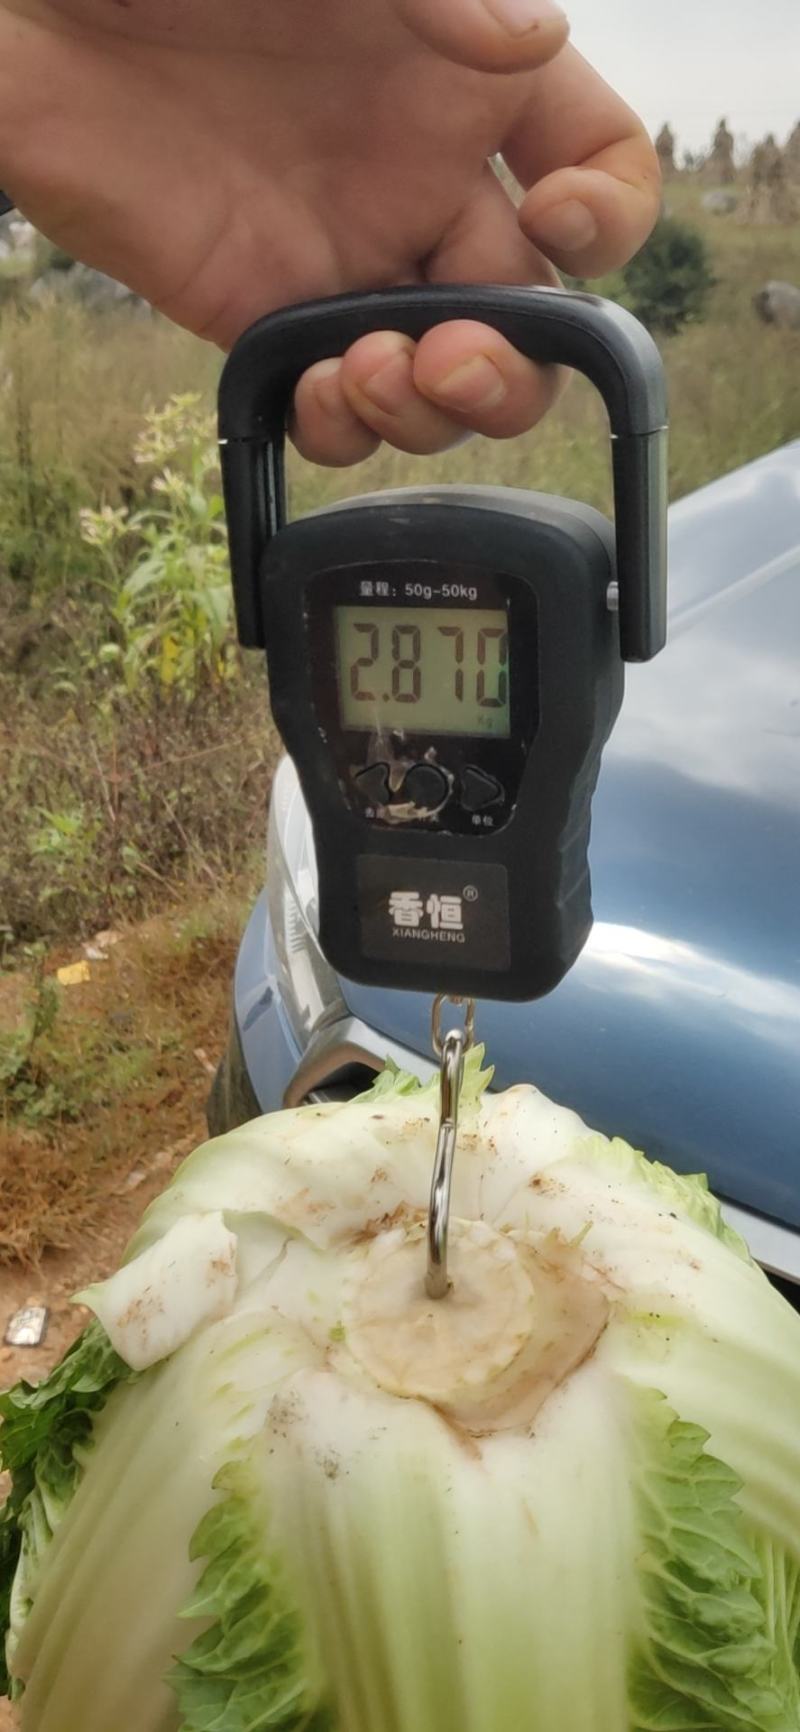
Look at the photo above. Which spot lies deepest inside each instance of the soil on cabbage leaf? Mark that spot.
(98, 1105)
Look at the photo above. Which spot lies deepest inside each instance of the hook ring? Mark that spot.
(468, 1006)
(453, 1049)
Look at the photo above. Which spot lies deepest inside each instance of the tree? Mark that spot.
(791, 155)
(769, 195)
(720, 166)
(665, 150)
(669, 282)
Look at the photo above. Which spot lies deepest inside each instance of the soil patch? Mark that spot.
(123, 1067)
(105, 1065)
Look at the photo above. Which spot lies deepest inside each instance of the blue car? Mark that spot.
(679, 1027)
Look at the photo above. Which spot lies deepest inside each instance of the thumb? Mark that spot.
(489, 35)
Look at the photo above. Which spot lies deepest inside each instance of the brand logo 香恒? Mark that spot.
(438, 918)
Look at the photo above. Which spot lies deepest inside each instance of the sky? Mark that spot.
(691, 61)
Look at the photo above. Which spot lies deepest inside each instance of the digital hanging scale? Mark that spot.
(447, 663)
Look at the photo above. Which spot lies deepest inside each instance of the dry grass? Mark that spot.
(74, 387)
(111, 815)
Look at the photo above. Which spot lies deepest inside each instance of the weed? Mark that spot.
(22, 1095)
(166, 564)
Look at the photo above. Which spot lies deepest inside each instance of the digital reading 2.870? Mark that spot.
(446, 663)
(405, 667)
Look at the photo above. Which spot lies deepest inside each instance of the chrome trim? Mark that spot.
(776, 1248)
(324, 1058)
(347, 1041)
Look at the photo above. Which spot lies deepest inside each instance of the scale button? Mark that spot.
(373, 784)
(479, 789)
(426, 787)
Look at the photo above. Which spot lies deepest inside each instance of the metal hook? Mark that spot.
(468, 1006)
(453, 1048)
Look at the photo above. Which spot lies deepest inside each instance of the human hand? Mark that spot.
(225, 161)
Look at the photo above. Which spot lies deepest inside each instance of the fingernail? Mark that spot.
(388, 387)
(328, 390)
(520, 16)
(567, 228)
(476, 384)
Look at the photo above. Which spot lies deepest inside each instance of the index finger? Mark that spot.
(591, 172)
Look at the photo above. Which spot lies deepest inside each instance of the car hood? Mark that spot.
(679, 1027)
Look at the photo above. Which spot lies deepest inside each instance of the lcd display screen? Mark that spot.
(436, 670)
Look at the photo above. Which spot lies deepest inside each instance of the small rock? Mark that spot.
(779, 304)
(163, 1159)
(105, 939)
(28, 1327)
(135, 1178)
(720, 202)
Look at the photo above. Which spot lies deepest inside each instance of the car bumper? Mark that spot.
(266, 1068)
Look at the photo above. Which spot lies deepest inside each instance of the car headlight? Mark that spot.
(309, 988)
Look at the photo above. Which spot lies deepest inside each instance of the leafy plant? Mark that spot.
(167, 562)
(668, 284)
(64, 842)
(21, 1092)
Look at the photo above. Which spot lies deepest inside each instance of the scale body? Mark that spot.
(446, 664)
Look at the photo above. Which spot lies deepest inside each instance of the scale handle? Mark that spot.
(594, 336)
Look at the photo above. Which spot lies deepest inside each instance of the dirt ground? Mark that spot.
(174, 974)
(62, 1273)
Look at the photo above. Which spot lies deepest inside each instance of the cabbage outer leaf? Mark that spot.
(249, 1667)
(719, 1652)
(45, 1431)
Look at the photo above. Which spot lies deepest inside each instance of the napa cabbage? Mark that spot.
(273, 1485)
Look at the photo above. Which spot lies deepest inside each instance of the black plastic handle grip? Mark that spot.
(5, 204)
(597, 338)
